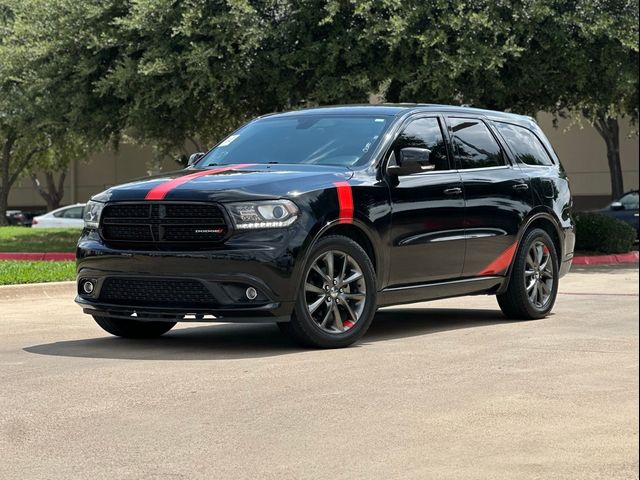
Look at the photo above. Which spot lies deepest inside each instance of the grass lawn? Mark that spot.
(23, 239)
(19, 271)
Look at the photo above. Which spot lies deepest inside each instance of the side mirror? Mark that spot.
(194, 158)
(617, 206)
(412, 160)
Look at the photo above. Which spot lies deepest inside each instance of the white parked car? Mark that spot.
(70, 216)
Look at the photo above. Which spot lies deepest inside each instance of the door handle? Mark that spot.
(521, 187)
(453, 191)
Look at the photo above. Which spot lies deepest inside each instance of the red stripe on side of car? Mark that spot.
(345, 202)
(159, 192)
(501, 263)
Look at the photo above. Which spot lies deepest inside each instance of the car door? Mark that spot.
(427, 231)
(72, 217)
(53, 219)
(497, 196)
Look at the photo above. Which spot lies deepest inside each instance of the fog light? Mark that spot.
(88, 287)
(251, 293)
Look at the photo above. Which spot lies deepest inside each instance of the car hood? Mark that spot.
(229, 183)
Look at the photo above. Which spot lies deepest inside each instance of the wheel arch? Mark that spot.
(356, 231)
(547, 222)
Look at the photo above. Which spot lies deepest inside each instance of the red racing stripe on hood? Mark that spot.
(160, 191)
(345, 202)
(501, 263)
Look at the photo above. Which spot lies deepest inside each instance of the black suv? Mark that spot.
(314, 219)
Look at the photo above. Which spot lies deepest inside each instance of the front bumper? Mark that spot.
(266, 261)
(267, 313)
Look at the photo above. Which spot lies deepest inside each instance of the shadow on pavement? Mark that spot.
(232, 341)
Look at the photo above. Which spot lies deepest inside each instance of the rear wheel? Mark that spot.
(133, 328)
(533, 286)
(337, 299)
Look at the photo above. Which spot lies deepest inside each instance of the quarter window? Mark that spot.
(425, 133)
(526, 147)
(475, 146)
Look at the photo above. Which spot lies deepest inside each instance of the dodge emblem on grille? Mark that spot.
(212, 230)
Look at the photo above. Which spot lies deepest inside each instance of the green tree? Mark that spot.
(570, 57)
(579, 58)
(49, 110)
(20, 136)
(38, 99)
(604, 86)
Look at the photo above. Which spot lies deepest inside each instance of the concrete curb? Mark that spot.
(624, 258)
(38, 290)
(48, 256)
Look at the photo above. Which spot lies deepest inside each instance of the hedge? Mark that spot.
(598, 233)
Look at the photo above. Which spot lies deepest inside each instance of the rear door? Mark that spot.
(497, 196)
(427, 232)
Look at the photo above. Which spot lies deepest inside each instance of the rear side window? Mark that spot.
(474, 144)
(526, 147)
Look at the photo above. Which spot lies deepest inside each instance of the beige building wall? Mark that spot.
(581, 149)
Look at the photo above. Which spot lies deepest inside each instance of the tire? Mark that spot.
(133, 328)
(314, 322)
(533, 285)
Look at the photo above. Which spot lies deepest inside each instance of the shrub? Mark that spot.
(598, 233)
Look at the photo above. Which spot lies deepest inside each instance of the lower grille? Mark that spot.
(150, 292)
(133, 233)
(163, 225)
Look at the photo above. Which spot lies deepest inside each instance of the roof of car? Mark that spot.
(395, 109)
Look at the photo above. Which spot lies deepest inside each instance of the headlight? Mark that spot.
(263, 214)
(92, 212)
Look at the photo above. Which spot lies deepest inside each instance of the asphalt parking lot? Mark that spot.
(447, 389)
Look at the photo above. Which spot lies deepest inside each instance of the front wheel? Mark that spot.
(133, 328)
(337, 299)
(533, 286)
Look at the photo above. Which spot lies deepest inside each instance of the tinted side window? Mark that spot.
(474, 144)
(526, 147)
(425, 133)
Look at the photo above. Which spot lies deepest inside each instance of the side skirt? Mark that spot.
(434, 291)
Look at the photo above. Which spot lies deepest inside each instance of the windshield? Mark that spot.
(310, 139)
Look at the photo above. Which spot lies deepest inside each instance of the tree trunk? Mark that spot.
(5, 177)
(54, 192)
(4, 201)
(609, 129)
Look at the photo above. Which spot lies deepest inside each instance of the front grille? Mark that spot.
(128, 232)
(171, 226)
(149, 292)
